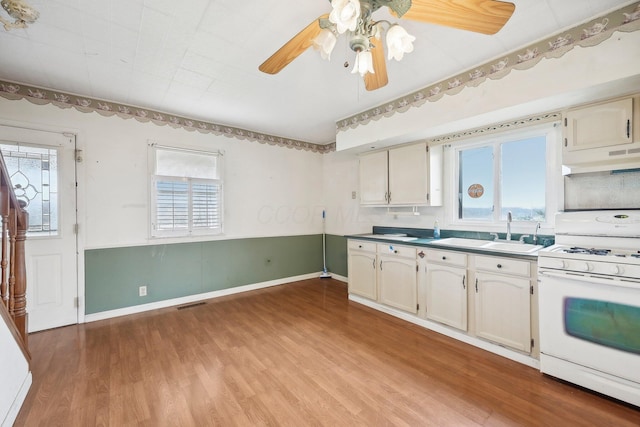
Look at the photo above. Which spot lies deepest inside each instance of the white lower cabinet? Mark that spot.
(490, 298)
(447, 288)
(503, 301)
(384, 273)
(397, 277)
(361, 263)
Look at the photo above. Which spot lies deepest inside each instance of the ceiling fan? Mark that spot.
(354, 18)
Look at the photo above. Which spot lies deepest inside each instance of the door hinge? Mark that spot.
(417, 268)
(78, 155)
(76, 227)
(427, 196)
(531, 289)
(417, 307)
(533, 343)
(76, 302)
(566, 143)
(565, 122)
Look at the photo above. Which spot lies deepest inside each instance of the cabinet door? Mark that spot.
(408, 175)
(503, 312)
(447, 295)
(599, 125)
(374, 179)
(362, 274)
(398, 282)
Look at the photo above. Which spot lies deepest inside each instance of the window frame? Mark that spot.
(553, 178)
(154, 178)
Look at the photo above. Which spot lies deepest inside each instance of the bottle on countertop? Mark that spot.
(436, 230)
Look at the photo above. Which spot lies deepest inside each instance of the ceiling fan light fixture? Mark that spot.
(23, 14)
(345, 14)
(364, 63)
(324, 43)
(399, 42)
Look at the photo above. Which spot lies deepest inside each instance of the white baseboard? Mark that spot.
(18, 401)
(338, 277)
(193, 298)
(460, 336)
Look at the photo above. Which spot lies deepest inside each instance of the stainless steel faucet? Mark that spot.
(535, 234)
(509, 219)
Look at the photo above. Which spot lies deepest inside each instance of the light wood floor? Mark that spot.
(295, 355)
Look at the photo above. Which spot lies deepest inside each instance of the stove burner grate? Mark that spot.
(587, 251)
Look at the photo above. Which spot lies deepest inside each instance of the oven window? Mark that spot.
(605, 323)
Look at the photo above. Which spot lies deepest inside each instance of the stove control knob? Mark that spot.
(585, 267)
(562, 264)
(615, 269)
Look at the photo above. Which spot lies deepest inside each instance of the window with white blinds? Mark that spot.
(186, 192)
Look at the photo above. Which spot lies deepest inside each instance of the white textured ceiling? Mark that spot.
(200, 58)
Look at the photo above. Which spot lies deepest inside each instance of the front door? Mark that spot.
(42, 169)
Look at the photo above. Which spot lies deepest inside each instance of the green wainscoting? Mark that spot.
(337, 254)
(112, 276)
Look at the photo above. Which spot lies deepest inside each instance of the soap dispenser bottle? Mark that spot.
(436, 230)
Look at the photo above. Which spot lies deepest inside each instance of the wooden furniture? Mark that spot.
(13, 282)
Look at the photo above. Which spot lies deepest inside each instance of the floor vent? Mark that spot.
(195, 304)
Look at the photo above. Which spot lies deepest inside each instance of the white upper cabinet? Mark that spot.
(601, 125)
(374, 179)
(405, 176)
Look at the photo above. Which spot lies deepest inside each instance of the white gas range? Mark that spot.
(589, 299)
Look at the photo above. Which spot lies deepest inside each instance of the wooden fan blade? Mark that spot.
(480, 16)
(293, 48)
(379, 78)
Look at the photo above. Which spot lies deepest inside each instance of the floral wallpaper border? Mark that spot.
(40, 96)
(592, 33)
(513, 124)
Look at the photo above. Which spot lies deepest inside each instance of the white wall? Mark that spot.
(346, 216)
(578, 77)
(269, 191)
(15, 376)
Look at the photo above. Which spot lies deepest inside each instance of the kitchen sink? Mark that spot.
(461, 242)
(490, 245)
(515, 246)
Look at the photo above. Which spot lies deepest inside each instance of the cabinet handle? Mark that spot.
(499, 265)
(380, 265)
(463, 285)
(476, 285)
(628, 128)
(395, 252)
(360, 246)
(444, 258)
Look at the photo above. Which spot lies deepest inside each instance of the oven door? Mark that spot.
(591, 321)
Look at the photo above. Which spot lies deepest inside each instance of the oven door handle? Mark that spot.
(619, 282)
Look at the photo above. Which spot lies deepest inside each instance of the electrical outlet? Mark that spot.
(142, 291)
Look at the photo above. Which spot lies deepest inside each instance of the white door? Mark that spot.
(42, 165)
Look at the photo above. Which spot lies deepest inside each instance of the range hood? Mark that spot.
(602, 159)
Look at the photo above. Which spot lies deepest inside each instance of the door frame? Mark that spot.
(79, 138)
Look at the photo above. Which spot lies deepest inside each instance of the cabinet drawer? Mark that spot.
(503, 265)
(458, 259)
(401, 251)
(361, 245)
